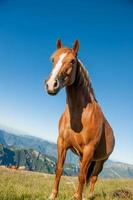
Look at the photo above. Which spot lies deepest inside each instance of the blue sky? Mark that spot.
(28, 33)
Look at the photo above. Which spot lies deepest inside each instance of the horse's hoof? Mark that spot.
(91, 195)
(77, 197)
(52, 196)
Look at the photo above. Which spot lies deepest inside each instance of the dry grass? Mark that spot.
(22, 185)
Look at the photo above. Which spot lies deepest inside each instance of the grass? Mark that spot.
(22, 185)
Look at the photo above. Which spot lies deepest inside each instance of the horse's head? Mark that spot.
(63, 73)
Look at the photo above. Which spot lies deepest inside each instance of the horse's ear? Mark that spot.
(59, 44)
(76, 47)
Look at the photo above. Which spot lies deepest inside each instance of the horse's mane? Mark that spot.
(86, 78)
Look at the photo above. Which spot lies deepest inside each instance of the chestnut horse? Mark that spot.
(82, 127)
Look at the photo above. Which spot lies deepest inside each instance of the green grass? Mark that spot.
(22, 185)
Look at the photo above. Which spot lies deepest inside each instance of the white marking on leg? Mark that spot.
(91, 195)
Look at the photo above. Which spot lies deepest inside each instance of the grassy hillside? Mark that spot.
(22, 185)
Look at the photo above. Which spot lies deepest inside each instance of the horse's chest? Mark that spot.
(79, 121)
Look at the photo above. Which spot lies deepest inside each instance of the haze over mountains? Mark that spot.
(48, 153)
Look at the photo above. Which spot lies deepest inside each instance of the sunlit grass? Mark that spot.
(22, 185)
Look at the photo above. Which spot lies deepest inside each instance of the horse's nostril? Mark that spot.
(56, 84)
(46, 85)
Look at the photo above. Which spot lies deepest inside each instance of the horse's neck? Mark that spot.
(78, 94)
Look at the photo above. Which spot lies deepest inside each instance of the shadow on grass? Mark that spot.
(119, 194)
(122, 194)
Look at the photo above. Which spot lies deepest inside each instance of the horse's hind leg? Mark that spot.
(98, 168)
(88, 154)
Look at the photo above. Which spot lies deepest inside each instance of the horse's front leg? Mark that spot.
(59, 168)
(85, 162)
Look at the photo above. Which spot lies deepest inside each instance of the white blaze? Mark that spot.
(55, 71)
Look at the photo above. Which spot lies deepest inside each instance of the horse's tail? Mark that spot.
(90, 171)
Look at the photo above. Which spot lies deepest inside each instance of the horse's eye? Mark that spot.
(72, 61)
(52, 60)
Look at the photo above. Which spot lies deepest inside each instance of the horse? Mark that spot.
(83, 127)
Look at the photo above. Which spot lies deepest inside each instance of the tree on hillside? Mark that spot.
(6, 156)
(36, 162)
(28, 157)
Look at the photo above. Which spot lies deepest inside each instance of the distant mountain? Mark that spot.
(117, 170)
(30, 142)
(32, 160)
(47, 149)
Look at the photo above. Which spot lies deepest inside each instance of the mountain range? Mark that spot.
(47, 152)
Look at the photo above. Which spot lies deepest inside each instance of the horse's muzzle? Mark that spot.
(54, 90)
